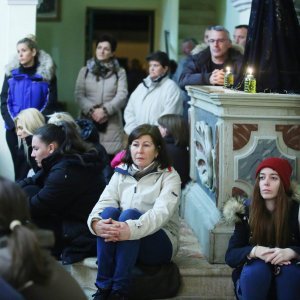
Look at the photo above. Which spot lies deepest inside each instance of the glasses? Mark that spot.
(212, 41)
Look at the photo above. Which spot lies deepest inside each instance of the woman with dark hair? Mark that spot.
(265, 246)
(101, 92)
(64, 191)
(175, 132)
(136, 218)
(25, 267)
(30, 81)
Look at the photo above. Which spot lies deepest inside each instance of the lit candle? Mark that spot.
(228, 78)
(250, 82)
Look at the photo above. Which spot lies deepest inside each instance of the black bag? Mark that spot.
(154, 282)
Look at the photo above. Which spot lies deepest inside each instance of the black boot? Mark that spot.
(116, 295)
(101, 294)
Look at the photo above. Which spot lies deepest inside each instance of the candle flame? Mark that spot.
(250, 71)
(228, 69)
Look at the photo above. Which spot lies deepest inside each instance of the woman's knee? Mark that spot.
(131, 213)
(110, 212)
(257, 270)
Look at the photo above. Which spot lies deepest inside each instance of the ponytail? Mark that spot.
(29, 262)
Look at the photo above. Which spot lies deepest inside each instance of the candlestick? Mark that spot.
(250, 82)
(228, 78)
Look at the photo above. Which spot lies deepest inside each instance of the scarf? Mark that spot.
(138, 174)
(101, 68)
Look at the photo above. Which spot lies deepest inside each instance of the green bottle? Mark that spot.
(228, 79)
(250, 83)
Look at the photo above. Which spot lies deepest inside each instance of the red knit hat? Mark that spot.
(281, 166)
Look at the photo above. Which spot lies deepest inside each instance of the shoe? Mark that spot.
(101, 294)
(116, 295)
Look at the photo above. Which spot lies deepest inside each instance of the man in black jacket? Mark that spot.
(208, 66)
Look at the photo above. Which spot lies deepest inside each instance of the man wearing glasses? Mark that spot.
(208, 66)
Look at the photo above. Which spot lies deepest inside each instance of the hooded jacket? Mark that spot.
(156, 195)
(61, 195)
(33, 87)
(237, 210)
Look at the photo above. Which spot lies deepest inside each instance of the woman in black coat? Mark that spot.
(264, 249)
(64, 191)
(175, 132)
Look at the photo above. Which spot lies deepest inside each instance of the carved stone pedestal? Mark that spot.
(231, 132)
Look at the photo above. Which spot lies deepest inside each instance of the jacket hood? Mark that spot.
(234, 208)
(45, 67)
(90, 159)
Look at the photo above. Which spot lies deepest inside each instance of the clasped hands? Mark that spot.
(99, 115)
(275, 256)
(111, 230)
(217, 77)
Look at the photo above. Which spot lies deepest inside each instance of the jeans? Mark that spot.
(116, 260)
(258, 281)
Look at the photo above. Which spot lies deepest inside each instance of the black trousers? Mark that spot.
(21, 166)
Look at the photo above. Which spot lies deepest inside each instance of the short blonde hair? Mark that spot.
(58, 117)
(30, 119)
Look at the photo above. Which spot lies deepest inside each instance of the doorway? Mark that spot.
(134, 31)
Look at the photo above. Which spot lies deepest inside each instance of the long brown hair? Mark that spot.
(269, 228)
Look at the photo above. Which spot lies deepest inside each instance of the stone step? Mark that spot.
(200, 279)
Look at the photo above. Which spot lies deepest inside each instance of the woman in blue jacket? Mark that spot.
(265, 246)
(30, 82)
(64, 191)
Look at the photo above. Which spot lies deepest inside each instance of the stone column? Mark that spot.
(231, 132)
(17, 19)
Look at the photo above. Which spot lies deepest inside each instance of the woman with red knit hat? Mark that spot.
(264, 249)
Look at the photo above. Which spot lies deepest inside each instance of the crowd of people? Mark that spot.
(108, 183)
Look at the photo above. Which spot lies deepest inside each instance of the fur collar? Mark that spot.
(46, 67)
(234, 208)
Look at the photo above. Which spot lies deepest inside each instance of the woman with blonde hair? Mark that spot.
(30, 81)
(26, 122)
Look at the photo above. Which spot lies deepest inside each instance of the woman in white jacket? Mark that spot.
(136, 218)
(155, 96)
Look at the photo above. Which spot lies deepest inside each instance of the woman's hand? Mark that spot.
(110, 230)
(279, 256)
(99, 115)
(124, 231)
(259, 252)
(106, 229)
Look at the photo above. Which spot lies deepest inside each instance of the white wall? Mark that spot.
(233, 18)
(170, 17)
(17, 20)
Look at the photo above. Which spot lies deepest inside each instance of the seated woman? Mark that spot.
(89, 134)
(26, 122)
(27, 271)
(265, 246)
(136, 218)
(64, 191)
(175, 132)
